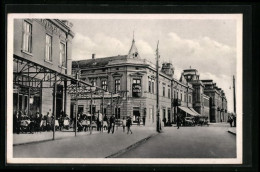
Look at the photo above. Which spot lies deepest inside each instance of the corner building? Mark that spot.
(134, 79)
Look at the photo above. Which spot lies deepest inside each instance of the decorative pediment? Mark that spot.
(152, 77)
(137, 74)
(116, 74)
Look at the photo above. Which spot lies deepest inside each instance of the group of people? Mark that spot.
(232, 120)
(138, 120)
(36, 122)
(88, 122)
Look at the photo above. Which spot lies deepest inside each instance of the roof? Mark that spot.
(96, 62)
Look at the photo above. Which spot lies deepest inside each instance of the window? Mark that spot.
(117, 85)
(181, 96)
(48, 48)
(104, 85)
(153, 87)
(163, 91)
(169, 93)
(63, 60)
(27, 37)
(189, 99)
(185, 97)
(136, 88)
(149, 87)
(94, 82)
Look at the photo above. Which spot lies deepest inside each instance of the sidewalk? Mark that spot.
(232, 130)
(97, 145)
(19, 139)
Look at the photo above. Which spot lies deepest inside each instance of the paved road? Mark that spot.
(187, 142)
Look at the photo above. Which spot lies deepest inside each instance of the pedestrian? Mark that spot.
(105, 122)
(234, 120)
(111, 124)
(138, 120)
(17, 122)
(128, 124)
(99, 121)
(230, 120)
(144, 120)
(38, 121)
(178, 121)
(164, 121)
(124, 124)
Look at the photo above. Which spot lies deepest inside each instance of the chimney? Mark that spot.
(93, 56)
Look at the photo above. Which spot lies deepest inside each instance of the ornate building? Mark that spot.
(130, 82)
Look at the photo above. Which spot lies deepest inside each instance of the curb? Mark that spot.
(131, 146)
(34, 142)
(232, 132)
(40, 141)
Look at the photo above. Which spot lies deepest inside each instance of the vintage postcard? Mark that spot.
(124, 88)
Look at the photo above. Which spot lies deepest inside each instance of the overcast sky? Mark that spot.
(205, 44)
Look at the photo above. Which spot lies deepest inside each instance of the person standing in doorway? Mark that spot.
(144, 120)
(138, 120)
(128, 125)
(164, 121)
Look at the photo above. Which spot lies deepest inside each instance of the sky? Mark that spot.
(208, 45)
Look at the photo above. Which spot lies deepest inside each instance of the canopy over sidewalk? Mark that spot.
(189, 111)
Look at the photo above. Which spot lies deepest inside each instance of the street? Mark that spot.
(188, 142)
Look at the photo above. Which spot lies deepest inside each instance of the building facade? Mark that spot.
(208, 99)
(42, 54)
(130, 82)
(218, 102)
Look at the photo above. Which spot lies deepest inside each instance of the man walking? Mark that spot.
(178, 121)
(128, 124)
(111, 124)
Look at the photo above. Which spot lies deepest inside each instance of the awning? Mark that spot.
(193, 110)
(187, 110)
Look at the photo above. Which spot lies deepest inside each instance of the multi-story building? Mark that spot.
(41, 58)
(208, 99)
(218, 101)
(134, 79)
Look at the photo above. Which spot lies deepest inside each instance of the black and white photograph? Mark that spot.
(124, 88)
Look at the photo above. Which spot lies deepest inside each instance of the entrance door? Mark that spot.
(169, 114)
(136, 114)
(59, 99)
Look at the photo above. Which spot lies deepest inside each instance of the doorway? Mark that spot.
(136, 114)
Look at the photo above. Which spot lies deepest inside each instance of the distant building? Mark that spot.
(218, 102)
(208, 99)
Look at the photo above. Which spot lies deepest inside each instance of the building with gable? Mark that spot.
(134, 79)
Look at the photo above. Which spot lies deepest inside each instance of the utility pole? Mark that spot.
(234, 94)
(76, 110)
(158, 128)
